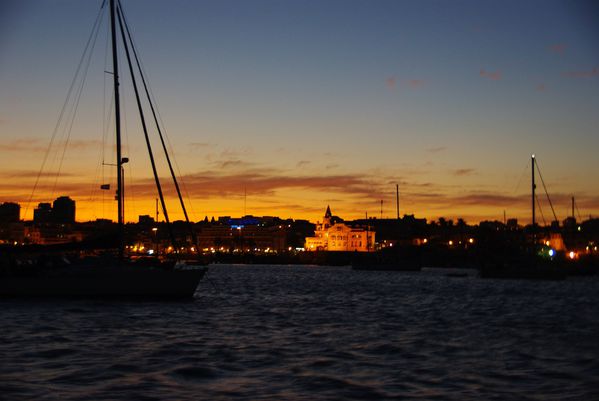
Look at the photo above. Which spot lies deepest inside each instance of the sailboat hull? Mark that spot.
(106, 283)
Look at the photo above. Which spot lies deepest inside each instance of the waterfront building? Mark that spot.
(243, 238)
(145, 219)
(335, 235)
(63, 210)
(12, 233)
(10, 212)
(43, 213)
(11, 228)
(51, 234)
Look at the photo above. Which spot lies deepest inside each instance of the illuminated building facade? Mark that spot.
(334, 235)
(246, 239)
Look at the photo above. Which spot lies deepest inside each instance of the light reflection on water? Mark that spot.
(304, 333)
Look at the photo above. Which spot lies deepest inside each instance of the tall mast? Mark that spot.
(117, 121)
(397, 198)
(533, 199)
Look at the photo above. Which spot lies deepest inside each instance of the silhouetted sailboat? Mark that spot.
(109, 275)
(526, 264)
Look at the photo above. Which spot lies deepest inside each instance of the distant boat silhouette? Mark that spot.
(526, 264)
(389, 259)
(112, 276)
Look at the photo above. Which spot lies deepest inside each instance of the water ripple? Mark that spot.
(306, 333)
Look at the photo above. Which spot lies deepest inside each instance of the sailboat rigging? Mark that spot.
(132, 55)
(121, 277)
(526, 263)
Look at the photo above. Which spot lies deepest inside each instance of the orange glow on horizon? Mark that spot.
(90, 210)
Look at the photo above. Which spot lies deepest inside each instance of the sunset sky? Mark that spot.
(280, 107)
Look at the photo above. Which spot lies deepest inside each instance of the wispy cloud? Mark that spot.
(558, 48)
(541, 88)
(465, 202)
(37, 145)
(302, 163)
(494, 76)
(81, 144)
(232, 164)
(495, 199)
(23, 145)
(463, 171)
(34, 174)
(45, 189)
(199, 145)
(226, 158)
(391, 82)
(231, 153)
(436, 149)
(416, 83)
(265, 182)
(582, 74)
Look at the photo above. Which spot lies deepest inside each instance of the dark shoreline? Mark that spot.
(399, 258)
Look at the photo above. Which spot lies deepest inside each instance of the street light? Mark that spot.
(155, 230)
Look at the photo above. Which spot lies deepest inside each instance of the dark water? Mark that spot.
(307, 333)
